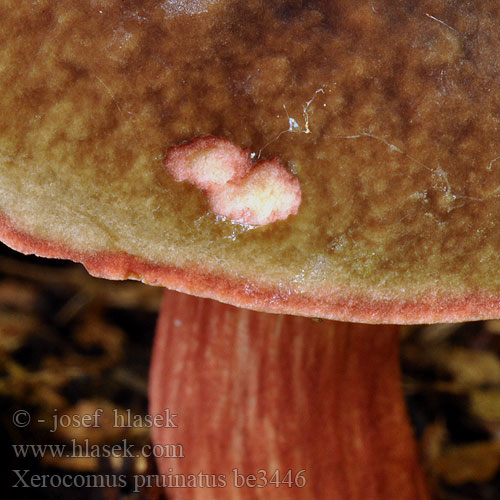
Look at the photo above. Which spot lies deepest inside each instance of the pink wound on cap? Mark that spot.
(252, 195)
(268, 193)
(207, 162)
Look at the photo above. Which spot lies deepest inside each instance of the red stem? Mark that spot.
(258, 391)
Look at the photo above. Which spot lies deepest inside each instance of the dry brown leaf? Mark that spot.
(17, 295)
(485, 404)
(92, 423)
(97, 333)
(80, 464)
(437, 333)
(14, 328)
(474, 463)
(432, 441)
(468, 367)
(493, 326)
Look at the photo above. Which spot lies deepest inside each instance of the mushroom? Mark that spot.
(278, 406)
(369, 133)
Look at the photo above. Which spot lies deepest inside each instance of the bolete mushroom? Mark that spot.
(376, 125)
(278, 407)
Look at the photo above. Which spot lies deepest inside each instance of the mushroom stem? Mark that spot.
(258, 395)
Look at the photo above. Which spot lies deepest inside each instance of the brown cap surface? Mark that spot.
(386, 112)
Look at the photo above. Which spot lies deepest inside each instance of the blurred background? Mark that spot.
(75, 343)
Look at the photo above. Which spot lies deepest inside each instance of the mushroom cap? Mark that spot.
(386, 112)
